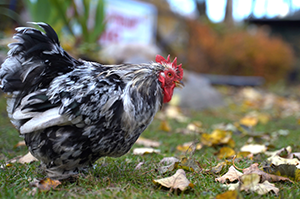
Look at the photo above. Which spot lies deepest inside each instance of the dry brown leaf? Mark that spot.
(217, 169)
(263, 175)
(290, 171)
(225, 152)
(170, 164)
(286, 151)
(254, 148)
(20, 143)
(28, 158)
(147, 142)
(231, 194)
(231, 176)
(142, 151)
(176, 181)
(45, 184)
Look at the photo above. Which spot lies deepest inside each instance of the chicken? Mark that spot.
(72, 112)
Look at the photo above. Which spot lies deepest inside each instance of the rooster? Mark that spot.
(72, 112)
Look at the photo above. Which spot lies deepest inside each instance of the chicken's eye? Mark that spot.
(170, 74)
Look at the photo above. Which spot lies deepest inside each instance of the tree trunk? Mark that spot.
(201, 7)
(228, 14)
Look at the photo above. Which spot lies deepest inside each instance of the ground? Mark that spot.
(118, 178)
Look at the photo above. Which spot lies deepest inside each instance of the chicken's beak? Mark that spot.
(179, 84)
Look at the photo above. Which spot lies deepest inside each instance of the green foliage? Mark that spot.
(85, 16)
(237, 52)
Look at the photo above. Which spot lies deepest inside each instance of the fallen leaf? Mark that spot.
(286, 171)
(139, 166)
(232, 186)
(249, 121)
(170, 164)
(217, 137)
(164, 126)
(244, 154)
(189, 147)
(277, 160)
(231, 176)
(189, 164)
(194, 126)
(254, 148)
(28, 158)
(147, 142)
(281, 152)
(231, 194)
(45, 184)
(263, 175)
(174, 112)
(169, 160)
(176, 181)
(250, 182)
(20, 143)
(142, 151)
(217, 169)
(225, 152)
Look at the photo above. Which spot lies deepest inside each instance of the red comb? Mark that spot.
(160, 59)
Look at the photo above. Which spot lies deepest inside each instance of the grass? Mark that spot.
(117, 177)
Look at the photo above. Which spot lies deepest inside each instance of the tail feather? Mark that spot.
(34, 61)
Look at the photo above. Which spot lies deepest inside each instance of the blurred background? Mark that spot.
(220, 42)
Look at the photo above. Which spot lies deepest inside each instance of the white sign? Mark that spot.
(129, 21)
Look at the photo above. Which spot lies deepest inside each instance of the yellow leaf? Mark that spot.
(189, 147)
(244, 154)
(176, 181)
(249, 121)
(164, 126)
(188, 164)
(217, 169)
(217, 137)
(231, 194)
(249, 180)
(45, 184)
(225, 152)
(263, 118)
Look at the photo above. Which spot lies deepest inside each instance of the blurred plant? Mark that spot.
(82, 19)
(9, 13)
(238, 53)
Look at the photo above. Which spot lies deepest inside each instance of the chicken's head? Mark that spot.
(170, 77)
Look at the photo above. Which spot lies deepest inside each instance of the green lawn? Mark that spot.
(117, 178)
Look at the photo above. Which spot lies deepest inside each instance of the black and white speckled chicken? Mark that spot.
(72, 112)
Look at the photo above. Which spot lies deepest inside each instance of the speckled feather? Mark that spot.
(72, 112)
